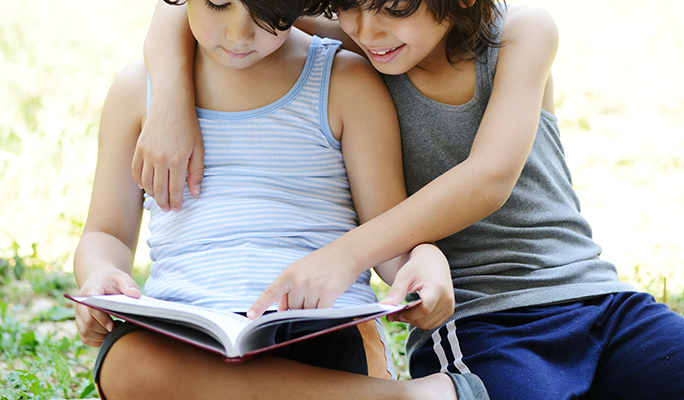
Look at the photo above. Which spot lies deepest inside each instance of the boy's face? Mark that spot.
(227, 32)
(394, 45)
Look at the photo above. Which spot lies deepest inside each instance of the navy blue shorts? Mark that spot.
(619, 346)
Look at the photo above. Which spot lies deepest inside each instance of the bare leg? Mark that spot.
(145, 365)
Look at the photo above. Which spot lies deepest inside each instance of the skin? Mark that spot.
(166, 155)
(160, 163)
(471, 190)
(234, 53)
(482, 183)
(476, 187)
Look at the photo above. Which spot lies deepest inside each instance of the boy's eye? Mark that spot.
(217, 7)
(397, 9)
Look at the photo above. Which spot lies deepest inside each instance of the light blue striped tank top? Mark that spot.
(275, 188)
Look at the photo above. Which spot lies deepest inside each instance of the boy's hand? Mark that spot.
(169, 145)
(426, 273)
(315, 281)
(94, 325)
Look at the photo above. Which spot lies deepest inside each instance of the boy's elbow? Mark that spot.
(497, 189)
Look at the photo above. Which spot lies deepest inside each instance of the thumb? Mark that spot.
(132, 291)
(126, 285)
(397, 292)
(196, 170)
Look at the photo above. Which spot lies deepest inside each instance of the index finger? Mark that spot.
(269, 296)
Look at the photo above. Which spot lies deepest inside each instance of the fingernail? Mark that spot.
(109, 326)
(141, 186)
(197, 189)
(251, 314)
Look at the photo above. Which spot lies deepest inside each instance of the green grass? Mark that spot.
(41, 357)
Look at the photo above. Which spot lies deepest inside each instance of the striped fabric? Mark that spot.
(275, 188)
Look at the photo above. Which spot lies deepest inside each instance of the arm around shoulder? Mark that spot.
(171, 141)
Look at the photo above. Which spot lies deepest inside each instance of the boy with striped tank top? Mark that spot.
(305, 126)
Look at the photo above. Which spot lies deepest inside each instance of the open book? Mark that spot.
(232, 335)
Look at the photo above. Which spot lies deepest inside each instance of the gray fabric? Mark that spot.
(469, 387)
(537, 249)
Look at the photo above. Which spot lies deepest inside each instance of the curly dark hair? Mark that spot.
(472, 26)
(272, 15)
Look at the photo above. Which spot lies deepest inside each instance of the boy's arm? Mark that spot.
(362, 116)
(482, 183)
(103, 260)
(478, 186)
(361, 109)
(171, 142)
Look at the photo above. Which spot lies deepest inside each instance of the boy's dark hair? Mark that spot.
(472, 27)
(272, 15)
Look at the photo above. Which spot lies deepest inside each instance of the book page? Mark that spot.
(223, 326)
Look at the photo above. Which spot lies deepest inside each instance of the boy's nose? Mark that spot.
(368, 28)
(240, 26)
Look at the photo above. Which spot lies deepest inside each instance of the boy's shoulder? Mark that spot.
(130, 88)
(530, 41)
(356, 89)
(131, 77)
(352, 69)
(525, 20)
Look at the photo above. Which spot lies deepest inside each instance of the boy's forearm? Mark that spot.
(169, 53)
(98, 250)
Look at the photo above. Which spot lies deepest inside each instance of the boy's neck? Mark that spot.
(445, 82)
(220, 88)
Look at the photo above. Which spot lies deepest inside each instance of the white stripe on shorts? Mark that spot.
(454, 348)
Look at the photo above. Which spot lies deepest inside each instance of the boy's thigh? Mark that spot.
(120, 330)
(620, 346)
(360, 349)
(528, 353)
(644, 351)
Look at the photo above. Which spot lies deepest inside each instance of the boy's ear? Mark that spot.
(466, 3)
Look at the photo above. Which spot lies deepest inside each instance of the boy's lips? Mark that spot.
(236, 54)
(384, 55)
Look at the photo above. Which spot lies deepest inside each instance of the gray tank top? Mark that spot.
(536, 249)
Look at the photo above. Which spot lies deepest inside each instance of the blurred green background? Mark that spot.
(618, 91)
(618, 79)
